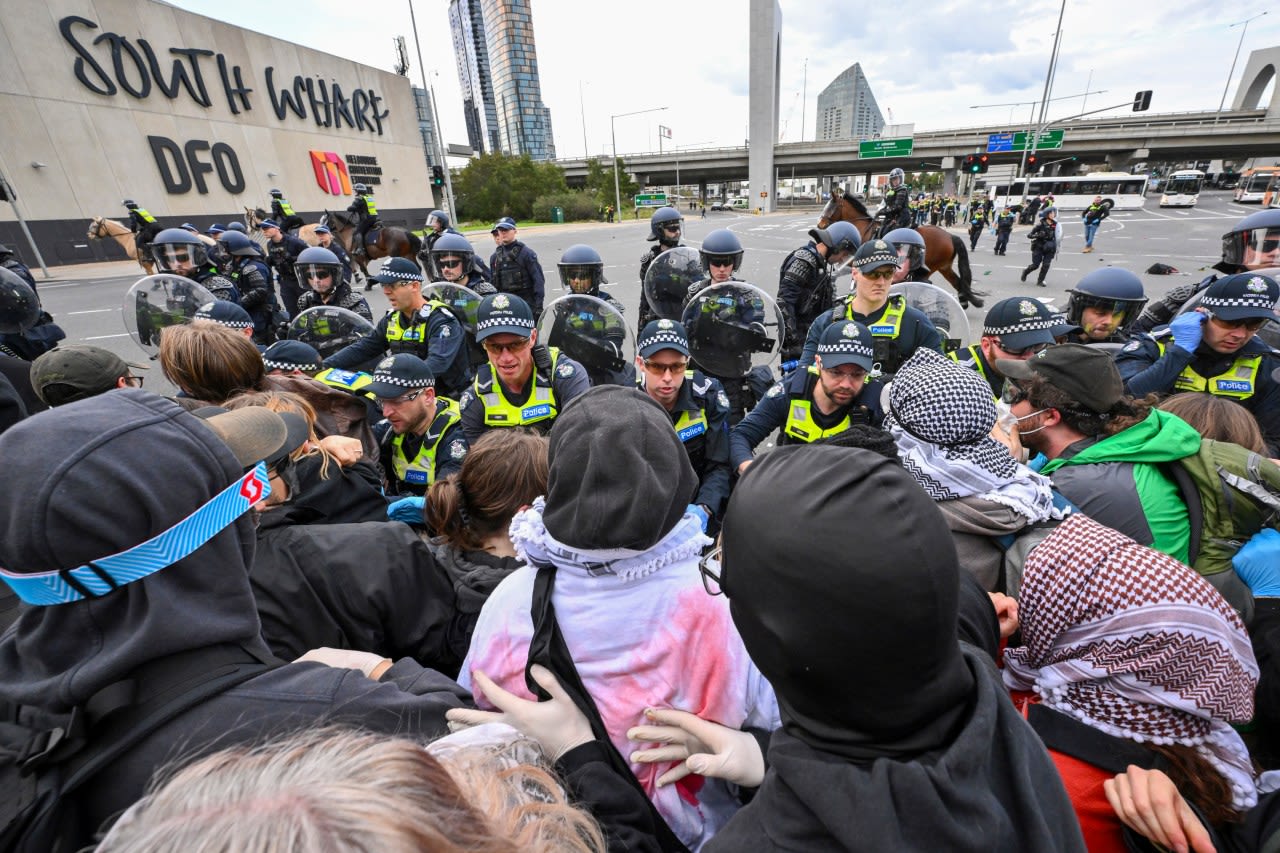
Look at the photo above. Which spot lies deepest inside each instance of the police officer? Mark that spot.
(977, 222)
(825, 399)
(1213, 349)
(524, 383)
(366, 214)
(452, 259)
(898, 328)
(1105, 303)
(253, 281)
(721, 256)
(696, 403)
(666, 228)
(581, 272)
(282, 213)
(227, 314)
(426, 329)
(1252, 244)
(282, 256)
(1004, 227)
(177, 251)
(292, 358)
(217, 255)
(1044, 246)
(437, 225)
(910, 247)
(325, 238)
(1014, 328)
(29, 330)
(806, 284)
(10, 262)
(896, 209)
(320, 271)
(143, 224)
(421, 438)
(515, 266)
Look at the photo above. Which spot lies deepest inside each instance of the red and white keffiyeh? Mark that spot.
(1135, 644)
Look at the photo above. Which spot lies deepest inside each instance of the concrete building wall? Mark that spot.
(97, 119)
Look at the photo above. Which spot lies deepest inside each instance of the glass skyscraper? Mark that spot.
(847, 109)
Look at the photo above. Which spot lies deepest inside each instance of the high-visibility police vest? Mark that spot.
(974, 360)
(1239, 381)
(413, 337)
(350, 381)
(885, 332)
(800, 425)
(284, 207)
(421, 469)
(146, 215)
(369, 207)
(539, 407)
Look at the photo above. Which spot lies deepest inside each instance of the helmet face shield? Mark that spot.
(912, 255)
(580, 278)
(451, 265)
(179, 258)
(1259, 247)
(321, 278)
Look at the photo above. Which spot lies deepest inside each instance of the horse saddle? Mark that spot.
(372, 236)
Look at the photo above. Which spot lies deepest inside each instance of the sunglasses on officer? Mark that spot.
(1250, 324)
(319, 275)
(659, 369)
(495, 348)
(719, 260)
(1019, 353)
(449, 263)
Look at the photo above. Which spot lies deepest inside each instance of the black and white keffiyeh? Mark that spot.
(941, 414)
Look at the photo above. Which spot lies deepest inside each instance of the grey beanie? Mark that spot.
(620, 477)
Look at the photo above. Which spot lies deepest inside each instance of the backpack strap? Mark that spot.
(1195, 508)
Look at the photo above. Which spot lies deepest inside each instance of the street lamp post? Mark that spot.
(1232, 72)
(613, 135)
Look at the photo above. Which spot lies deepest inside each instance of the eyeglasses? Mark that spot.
(133, 381)
(402, 400)
(1251, 324)
(448, 265)
(1019, 353)
(495, 348)
(883, 273)
(663, 369)
(1012, 394)
(726, 261)
(709, 568)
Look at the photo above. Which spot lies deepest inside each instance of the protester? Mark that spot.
(613, 570)
(78, 371)
(1217, 418)
(210, 363)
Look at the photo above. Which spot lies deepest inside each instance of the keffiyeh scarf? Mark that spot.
(1135, 644)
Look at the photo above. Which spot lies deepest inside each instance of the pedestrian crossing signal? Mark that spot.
(1033, 163)
(437, 176)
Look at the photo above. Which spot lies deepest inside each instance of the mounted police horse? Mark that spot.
(253, 216)
(101, 228)
(384, 241)
(941, 247)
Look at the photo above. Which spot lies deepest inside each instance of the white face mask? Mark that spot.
(1022, 432)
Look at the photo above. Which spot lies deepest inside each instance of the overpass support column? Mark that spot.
(1119, 161)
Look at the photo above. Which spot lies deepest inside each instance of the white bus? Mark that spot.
(1181, 189)
(1257, 185)
(1076, 192)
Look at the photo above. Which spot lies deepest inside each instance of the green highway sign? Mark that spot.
(1048, 140)
(885, 148)
(651, 200)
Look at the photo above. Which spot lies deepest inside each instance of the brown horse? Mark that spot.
(101, 227)
(941, 247)
(253, 217)
(386, 241)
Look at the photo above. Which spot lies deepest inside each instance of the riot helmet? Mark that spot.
(720, 245)
(129, 203)
(896, 178)
(666, 222)
(455, 252)
(837, 237)
(581, 270)
(1111, 290)
(910, 246)
(19, 306)
(276, 194)
(360, 189)
(1253, 244)
(179, 251)
(319, 269)
(5, 251)
(438, 217)
(239, 244)
(237, 226)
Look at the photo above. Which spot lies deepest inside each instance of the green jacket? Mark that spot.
(1132, 481)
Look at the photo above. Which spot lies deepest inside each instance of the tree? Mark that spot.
(600, 181)
(495, 185)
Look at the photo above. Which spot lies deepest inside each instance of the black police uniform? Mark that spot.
(253, 280)
(646, 313)
(343, 258)
(775, 412)
(13, 265)
(342, 296)
(897, 328)
(1004, 227)
(603, 368)
(282, 212)
(806, 289)
(897, 208)
(977, 221)
(516, 271)
(281, 257)
(433, 334)
(700, 417)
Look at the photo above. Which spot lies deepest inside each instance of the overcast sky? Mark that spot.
(927, 62)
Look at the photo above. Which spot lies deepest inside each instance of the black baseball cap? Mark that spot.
(291, 355)
(1020, 322)
(397, 271)
(874, 254)
(399, 374)
(658, 335)
(847, 342)
(1243, 296)
(1086, 374)
(225, 313)
(503, 313)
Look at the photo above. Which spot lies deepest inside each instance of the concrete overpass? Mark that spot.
(1118, 142)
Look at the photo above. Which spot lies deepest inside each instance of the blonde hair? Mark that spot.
(287, 401)
(338, 791)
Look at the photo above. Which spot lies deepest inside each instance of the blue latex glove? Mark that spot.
(1187, 330)
(701, 513)
(1037, 462)
(1258, 563)
(408, 510)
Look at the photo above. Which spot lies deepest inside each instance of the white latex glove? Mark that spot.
(701, 746)
(556, 724)
(1148, 802)
(347, 451)
(371, 665)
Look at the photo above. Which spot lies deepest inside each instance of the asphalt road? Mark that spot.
(87, 302)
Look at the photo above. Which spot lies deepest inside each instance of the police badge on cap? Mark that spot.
(503, 313)
(1242, 296)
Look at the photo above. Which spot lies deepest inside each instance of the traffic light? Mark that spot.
(1142, 101)
(983, 162)
(1033, 163)
(971, 164)
(437, 176)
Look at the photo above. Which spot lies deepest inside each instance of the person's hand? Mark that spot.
(1147, 802)
(372, 665)
(700, 746)
(701, 513)
(345, 450)
(1009, 438)
(1258, 563)
(1006, 613)
(408, 510)
(1188, 329)
(557, 724)
(745, 464)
